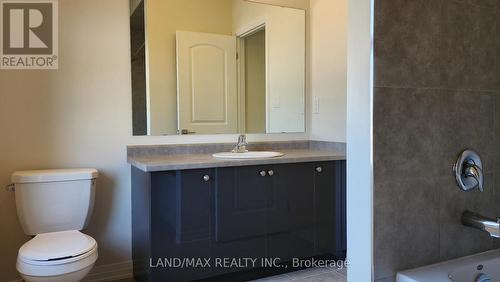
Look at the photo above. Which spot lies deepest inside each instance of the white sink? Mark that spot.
(248, 155)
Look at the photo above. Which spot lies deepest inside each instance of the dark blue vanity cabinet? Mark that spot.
(196, 224)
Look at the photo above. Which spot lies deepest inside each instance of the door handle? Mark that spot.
(186, 131)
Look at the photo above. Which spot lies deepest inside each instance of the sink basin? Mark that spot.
(248, 155)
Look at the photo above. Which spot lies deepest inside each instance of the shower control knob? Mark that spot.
(262, 173)
(270, 172)
(319, 169)
(206, 178)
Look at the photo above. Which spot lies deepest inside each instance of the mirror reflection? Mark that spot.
(217, 66)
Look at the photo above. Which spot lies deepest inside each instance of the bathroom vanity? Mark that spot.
(197, 217)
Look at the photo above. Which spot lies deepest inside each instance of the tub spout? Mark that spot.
(492, 226)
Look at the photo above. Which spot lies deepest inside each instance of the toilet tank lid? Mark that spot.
(54, 175)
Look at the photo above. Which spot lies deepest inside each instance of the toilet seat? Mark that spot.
(56, 253)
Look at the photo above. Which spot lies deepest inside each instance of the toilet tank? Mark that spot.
(54, 200)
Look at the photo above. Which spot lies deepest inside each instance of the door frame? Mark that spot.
(241, 34)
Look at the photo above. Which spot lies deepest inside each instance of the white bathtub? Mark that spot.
(466, 269)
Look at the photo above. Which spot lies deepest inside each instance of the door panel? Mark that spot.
(291, 221)
(324, 182)
(241, 202)
(181, 215)
(206, 82)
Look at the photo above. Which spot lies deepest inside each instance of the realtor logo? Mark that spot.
(29, 34)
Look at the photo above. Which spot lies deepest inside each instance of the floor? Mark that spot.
(310, 275)
(306, 275)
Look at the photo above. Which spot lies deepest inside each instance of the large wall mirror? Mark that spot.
(217, 66)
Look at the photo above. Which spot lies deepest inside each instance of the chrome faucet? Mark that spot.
(241, 147)
(474, 171)
(478, 221)
(468, 171)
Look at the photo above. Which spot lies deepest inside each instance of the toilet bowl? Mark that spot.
(65, 256)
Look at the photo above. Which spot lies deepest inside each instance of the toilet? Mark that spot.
(53, 206)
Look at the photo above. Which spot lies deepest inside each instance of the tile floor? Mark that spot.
(306, 275)
(310, 275)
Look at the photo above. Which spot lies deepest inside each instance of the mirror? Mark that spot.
(217, 66)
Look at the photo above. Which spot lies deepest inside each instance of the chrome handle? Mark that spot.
(186, 131)
(206, 178)
(468, 171)
(270, 172)
(319, 169)
(475, 172)
(262, 173)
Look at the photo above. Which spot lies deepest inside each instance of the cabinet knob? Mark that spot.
(262, 173)
(206, 178)
(270, 172)
(319, 169)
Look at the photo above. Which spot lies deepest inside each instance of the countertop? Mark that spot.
(152, 163)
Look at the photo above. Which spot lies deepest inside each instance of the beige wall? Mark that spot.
(163, 18)
(328, 66)
(77, 116)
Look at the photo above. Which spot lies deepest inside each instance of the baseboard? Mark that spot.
(110, 272)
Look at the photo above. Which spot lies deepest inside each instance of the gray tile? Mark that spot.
(310, 274)
(342, 271)
(407, 42)
(276, 278)
(406, 225)
(325, 277)
(483, 3)
(301, 274)
(473, 125)
(457, 240)
(418, 129)
(412, 127)
(468, 47)
(497, 114)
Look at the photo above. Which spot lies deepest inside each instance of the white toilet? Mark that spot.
(54, 205)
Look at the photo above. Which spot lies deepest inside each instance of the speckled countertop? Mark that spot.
(177, 157)
(194, 161)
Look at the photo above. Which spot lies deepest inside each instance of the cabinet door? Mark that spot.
(181, 212)
(325, 211)
(241, 205)
(242, 202)
(291, 223)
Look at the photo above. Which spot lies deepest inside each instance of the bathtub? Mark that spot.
(474, 268)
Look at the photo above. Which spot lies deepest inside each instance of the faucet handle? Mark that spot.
(468, 171)
(242, 140)
(474, 171)
(241, 147)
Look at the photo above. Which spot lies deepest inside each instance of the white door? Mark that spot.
(206, 83)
